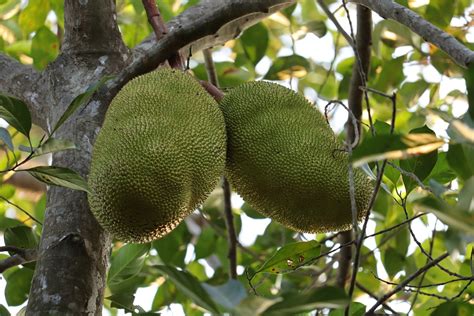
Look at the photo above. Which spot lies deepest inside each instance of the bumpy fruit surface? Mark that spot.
(284, 159)
(158, 155)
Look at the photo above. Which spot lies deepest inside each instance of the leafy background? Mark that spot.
(292, 273)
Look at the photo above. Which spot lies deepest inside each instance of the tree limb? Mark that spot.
(388, 9)
(20, 256)
(218, 23)
(20, 81)
(400, 286)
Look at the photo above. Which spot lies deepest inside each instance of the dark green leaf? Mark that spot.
(288, 66)
(469, 76)
(420, 166)
(122, 301)
(6, 138)
(228, 295)
(396, 146)
(4, 311)
(21, 237)
(189, 286)
(18, 286)
(294, 303)
(60, 176)
(54, 145)
(356, 309)
(255, 41)
(454, 309)
(127, 262)
(16, 113)
(291, 256)
(206, 243)
(81, 99)
(317, 27)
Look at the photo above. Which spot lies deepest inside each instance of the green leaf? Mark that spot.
(291, 256)
(454, 309)
(251, 212)
(4, 311)
(420, 166)
(356, 309)
(127, 262)
(206, 243)
(317, 27)
(16, 113)
(21, 237)
(288, 66)
(255, 42)
(449, 214)
(294, 303)
(469, 76)
(59, 176)
(393, 261)
(460, 159)
(18, 286)
(6, 138)
(228, 295)
(34, 15)
(122, 301)
(54, 145)
(189, 286)
(254, 305)
(396, 146)
(44, 47)
(81, 99)
(165, 295)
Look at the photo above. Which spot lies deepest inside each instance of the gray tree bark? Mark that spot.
(74, 250)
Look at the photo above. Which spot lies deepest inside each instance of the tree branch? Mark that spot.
(400, 286)
(20, 256)
(20, 81)
(218, 23)
(388, 9)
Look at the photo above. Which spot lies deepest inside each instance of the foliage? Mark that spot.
(430, 171)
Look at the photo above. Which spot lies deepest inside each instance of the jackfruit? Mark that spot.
(285, 161)
(160, 152)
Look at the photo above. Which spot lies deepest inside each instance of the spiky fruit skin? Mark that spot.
(284, 159)
(160, 152)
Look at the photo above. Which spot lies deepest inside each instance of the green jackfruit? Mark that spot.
(284, 159)
(160, 152)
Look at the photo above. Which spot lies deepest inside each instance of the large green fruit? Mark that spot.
(158, 155)
(284, 159)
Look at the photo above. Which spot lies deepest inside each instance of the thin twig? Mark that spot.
(21, 209)
(366, 290)
(229, 218)
(335, 22)
(400, 286)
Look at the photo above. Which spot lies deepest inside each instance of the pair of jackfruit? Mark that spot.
(165, 142)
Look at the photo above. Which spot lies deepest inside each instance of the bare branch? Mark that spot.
(336, 22)
(389, 9)
(400, 286)
(20, 256)
(20, 81)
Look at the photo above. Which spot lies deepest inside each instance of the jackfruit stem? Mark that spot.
(215, 92)
(159, 28)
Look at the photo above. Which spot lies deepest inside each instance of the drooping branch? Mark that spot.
(20, 81)
(389, 9)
